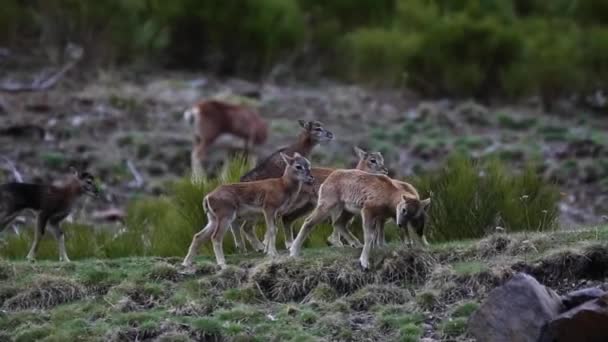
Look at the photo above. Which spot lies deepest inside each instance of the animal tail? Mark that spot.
(191, 114)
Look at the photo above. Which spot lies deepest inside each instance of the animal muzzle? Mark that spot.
(329, 135)
(310, 180)
(384, 171)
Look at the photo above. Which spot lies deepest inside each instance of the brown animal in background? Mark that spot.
(53, 203)
(213, 118)
(375, 197)
(271, 197)
(313, 133)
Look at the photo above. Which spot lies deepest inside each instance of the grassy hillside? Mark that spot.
(408, 293)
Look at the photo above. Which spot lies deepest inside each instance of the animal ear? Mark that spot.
(287, 159)
(360, 153)
(425, 203)
(305, 124)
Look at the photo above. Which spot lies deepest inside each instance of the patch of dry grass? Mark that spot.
(46, 292)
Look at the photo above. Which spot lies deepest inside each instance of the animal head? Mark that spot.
(86, 182)
(298, 166)
(371, 161)
(413, 212)
(316, 131)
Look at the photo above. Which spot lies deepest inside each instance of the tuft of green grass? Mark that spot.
(32, 333)
(465, 309)
(164, 271)
(469, 267)
(511, 122)
(410, 333)
(427, 300)
(248, 295)
(453, 327)
(207, 328)
(240, 314)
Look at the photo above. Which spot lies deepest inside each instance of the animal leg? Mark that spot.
(419, 230)
(217, 238)
(338, 223)
(199, 238)
(271, 233)
(60, 237)
(368, 234)
(321, 212)
(288, 230)
(239, 242)
(348, 235)
(379, 234)
(40, 226)
(6, 219)
(196, 159)
(408, 238)
(249, 231)
(289, 220)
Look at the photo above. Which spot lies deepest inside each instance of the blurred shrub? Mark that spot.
(379, 55)
(463, 56)
(457, 48)
(469, 199)
(551, 62)
(595, 58)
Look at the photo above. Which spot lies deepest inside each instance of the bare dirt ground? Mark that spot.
(106, 120)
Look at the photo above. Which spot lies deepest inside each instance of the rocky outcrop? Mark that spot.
(515, 311)
(587, 322)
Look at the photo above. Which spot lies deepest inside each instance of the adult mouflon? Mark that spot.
(53, 202)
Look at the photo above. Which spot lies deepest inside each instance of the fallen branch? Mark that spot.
(43, 82)
(16, 175)
(138, 180)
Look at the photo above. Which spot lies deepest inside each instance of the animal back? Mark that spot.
(271, 167)
(20, 196)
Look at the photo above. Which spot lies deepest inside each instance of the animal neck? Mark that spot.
(69, 187)
(303, 145)
(361, 165)
(291, 183)
(395, 200)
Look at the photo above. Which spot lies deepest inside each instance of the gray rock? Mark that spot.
(576, 298)
(585, 323)
(515, 311)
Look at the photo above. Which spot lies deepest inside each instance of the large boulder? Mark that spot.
(586, 323)
(515, 311)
